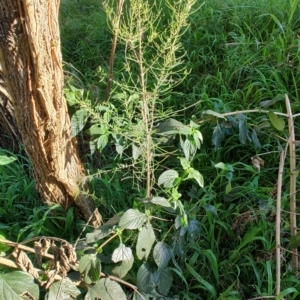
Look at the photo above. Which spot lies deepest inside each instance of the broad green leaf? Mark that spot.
(255, 139)
(122, 253)
(63, 290)
(184, 163)
(132, 219)
(14, 284)
(105, 289)
(198, 138)
(264, 124)
(78, 121)
(102, 141)
(145, 241)
(165, 280)
(103, 231)
(218, 136)
(3, 247)
(167, 178)
(189, 148)
(5, 160)
(107, 117)
(170, 126)
(136, 151)
(123, 268)
(276, 121)
(267, 103)
(228, 187)
(96, 130)
(162, 253)
(120, 96)
(90, 267)
(211, 208)
(243, 131)
(93, 146)
(161, 201)
(194, 227)
(213, 113)
(146, 281)
(194, 174)
(221, 165)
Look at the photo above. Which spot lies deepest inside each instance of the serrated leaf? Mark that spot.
(5, 160)
(122, 253)
(90, 267)
(161, 201)
(105, 289)
(104, 230)
(145, 241)
(184, 163)
(63, 290)
(78, 121)
(213, 113)
(123, 268)
(218, 136)
(167, 178)
(194, 174)
(14, 284)
(132, 219)
(276, 121)
(189, 148)
(162, 253)
(145, 279)
(165, 281)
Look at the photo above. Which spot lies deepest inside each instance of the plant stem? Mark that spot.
(278, 220)
(292, 146)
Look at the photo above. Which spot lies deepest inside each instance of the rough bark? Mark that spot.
(31, 66)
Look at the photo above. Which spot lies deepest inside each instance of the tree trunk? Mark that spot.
(31, 66)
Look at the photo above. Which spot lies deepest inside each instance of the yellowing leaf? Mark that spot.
(276, 121)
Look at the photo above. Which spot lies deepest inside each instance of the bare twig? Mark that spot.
(278, 220)
(113, 48)
(85, 226)
(293, 217)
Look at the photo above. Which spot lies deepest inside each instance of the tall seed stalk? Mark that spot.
(151, 36)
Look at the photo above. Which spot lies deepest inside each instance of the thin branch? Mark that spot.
(278, 222)
(85, 226)
(293, 217)
(232, 113)
(116, 27)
